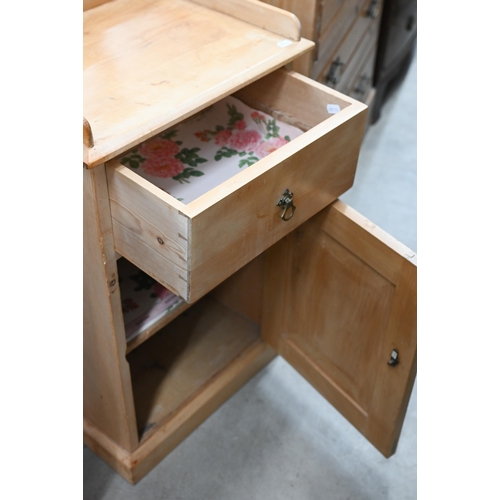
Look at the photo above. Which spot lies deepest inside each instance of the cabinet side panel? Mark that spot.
(107, 390)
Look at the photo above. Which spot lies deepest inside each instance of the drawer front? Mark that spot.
(329, 9)
(192, 248)
(337, 32)
(362, 82)
(359, 74)
(346, 60)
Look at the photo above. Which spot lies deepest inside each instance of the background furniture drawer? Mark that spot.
(361, 85)
(329, 9)
(402, 31)
(344, 22)
(192, 248)
(336, 73)
(350, 73)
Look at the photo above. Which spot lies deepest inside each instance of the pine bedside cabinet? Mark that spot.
(267, 262)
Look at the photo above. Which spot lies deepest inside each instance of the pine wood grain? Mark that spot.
(294, 98)
(189, 417)
(259, 14)
(175, 365)
(241, 214)
(131, 89)
(88, 139)
(305, 10)
(243, 291)
(309, 15)
(180, 377)
(90, 4)
(114, 455)
(340, 295)
(149, 229)
(107, 393)
(215, 235)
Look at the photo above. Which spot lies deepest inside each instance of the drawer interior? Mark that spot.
(200, 153)
(192, 247)
(190, 159)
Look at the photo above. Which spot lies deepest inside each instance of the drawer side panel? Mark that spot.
(148, 231)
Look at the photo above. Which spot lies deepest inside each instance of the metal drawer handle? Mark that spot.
(286, 203)
(362, 85)
(335, 73)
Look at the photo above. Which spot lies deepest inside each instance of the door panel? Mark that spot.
(340, 296)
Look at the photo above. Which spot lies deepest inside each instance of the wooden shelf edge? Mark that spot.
(161, 323)
(268, 17)
(88, 138)
(88, 141)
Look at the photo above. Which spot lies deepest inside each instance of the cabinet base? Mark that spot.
(134, 466)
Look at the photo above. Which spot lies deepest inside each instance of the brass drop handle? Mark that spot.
(286, 203)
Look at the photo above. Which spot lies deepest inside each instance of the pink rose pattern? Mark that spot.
(236, 139)
(245, 140)
(144, 300)
(164, 157)
(266, 147)
(222, 137)
(161, 156)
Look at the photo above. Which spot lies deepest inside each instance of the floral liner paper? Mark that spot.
(199, 154)
(144, 300)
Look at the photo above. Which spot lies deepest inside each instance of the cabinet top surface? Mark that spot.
(153, 63)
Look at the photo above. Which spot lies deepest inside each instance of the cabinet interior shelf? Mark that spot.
(174, 367)
(147, 306)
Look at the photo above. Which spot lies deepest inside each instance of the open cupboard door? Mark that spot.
(340, 307)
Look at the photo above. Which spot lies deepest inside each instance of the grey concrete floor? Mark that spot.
(277, 438)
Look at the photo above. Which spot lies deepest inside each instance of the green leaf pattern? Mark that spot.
(239, 138)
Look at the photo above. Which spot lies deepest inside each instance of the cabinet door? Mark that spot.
(340, 307)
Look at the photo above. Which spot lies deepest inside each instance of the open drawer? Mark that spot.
(190, 248)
